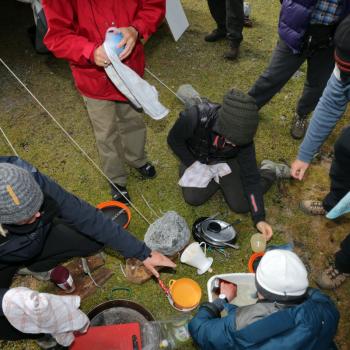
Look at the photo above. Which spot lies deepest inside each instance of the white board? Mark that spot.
(176, 18)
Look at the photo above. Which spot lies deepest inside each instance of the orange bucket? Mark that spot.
(186, 293)
(112, 209)
(254, 257)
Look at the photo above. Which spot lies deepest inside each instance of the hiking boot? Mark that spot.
(312, 207)
(281, 170)
(147, 171)
(247, 22)
(120, 194)
(232, 54)
(299, 126)
(41, 276)
(215, 35)
(331, 278)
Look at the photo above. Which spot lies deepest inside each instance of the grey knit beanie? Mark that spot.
(20, 195)
(238, 118)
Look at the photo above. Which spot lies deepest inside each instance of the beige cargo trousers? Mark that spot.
(120, 134)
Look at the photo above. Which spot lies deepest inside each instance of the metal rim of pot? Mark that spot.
(115, 303)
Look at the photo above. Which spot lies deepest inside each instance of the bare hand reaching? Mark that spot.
(229, 289)
(265, 229)
(298, 169)
(157, 259)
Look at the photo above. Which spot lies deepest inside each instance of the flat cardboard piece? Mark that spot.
(135, 271)
(176, 18)
(113, 337)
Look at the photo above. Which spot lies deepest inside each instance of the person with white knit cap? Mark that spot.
(288, 314)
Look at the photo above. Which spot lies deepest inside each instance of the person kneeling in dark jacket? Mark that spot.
(288, 315)
(216, 147)
(42, 225)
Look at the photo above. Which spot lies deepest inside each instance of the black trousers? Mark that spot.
(340, 171)
(229, 18)
(342, 257)
(340, 186)
(231, 187)
(284, 63)
(62, 244)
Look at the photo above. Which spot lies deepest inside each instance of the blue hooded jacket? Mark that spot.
(307, 326)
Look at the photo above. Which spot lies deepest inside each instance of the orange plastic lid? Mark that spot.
(185, 292)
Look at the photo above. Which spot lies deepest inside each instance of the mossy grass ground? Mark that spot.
(190, 60)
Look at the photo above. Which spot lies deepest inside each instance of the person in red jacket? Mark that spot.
(76, 31)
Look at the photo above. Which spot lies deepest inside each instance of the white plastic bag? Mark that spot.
(129, 83)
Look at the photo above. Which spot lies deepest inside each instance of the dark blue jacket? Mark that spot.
(78, 214)
(295, 19)
(308, 326)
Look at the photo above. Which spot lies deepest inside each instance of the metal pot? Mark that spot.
(119, 311)
(222, 238)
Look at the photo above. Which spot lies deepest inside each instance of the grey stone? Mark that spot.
(169, 234)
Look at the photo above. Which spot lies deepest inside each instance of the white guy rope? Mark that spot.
(8, 141)
(73, 141)
(172, 91)
(3, 233)
(149, 206)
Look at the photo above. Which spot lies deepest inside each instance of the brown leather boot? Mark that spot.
(331, 278)
(298, 127)
(312, 207)
(232, 54)
(215, 35)
(247, 22)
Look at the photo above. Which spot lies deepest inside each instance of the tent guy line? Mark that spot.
(70, 138)
(8, 142)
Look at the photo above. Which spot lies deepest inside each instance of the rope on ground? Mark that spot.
(172, 91)
(84, 261)
(149, 207)
(9, 142)
(73, 141)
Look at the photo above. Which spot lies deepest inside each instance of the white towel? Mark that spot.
(138, 91)
(33, 312)
(199, 175)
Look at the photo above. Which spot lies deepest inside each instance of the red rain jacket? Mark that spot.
(77, 27)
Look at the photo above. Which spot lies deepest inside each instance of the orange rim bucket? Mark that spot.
(111, 204)
(185, 292)
(252, 259)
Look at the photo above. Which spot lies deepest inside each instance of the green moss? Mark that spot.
(190, 60)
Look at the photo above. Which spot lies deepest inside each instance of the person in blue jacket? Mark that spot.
(330, 109)
(42, 225)
(288, 314)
